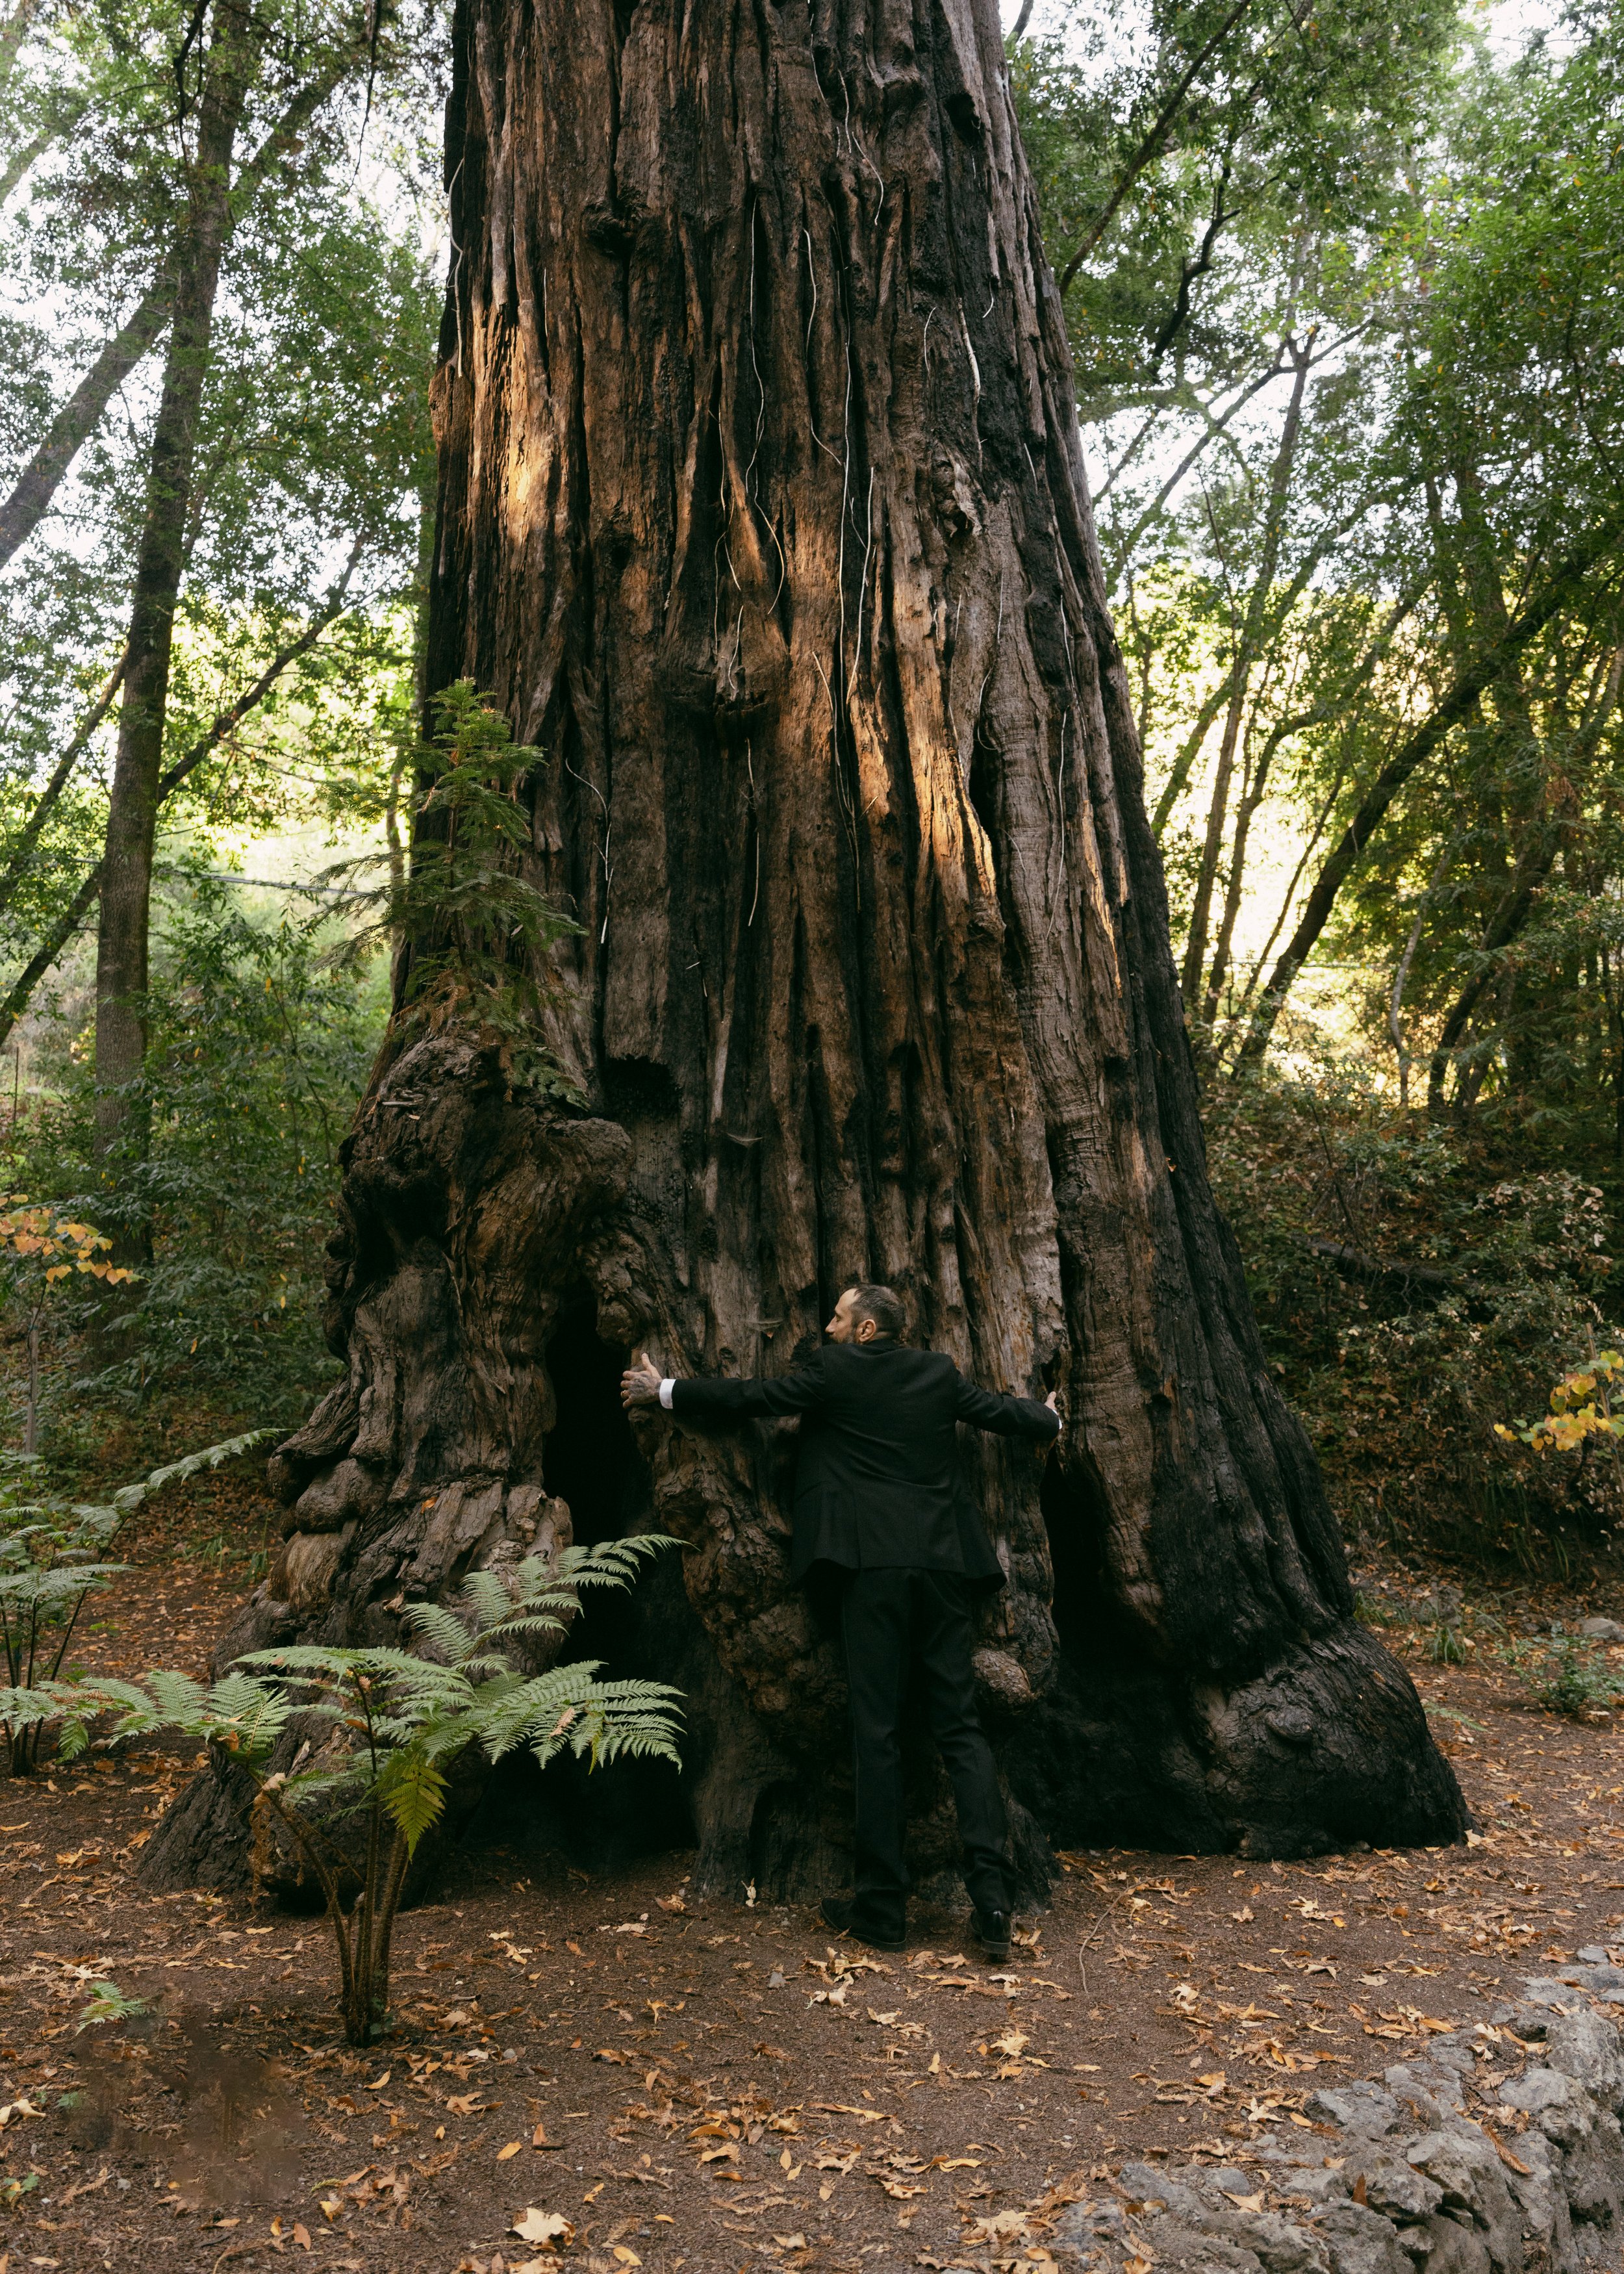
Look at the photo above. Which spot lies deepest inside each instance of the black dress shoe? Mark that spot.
(839, 1912)
(992, 1931)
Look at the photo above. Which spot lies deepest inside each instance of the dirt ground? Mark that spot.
(637, 2082)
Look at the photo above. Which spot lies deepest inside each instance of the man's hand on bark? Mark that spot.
(640, 1384)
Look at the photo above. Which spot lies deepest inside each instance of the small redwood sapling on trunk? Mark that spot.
(399, 1719)
(476, 932)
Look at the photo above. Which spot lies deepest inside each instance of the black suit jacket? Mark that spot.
(877, 1482)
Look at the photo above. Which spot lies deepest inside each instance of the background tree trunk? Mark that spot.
(125, 886)
(761, 509)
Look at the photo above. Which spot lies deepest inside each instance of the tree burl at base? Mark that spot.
(762, 513)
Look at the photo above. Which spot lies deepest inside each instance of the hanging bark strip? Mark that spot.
(762, 511)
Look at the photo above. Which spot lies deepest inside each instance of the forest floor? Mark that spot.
(721, 2088)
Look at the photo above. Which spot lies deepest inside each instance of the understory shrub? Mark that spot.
(1414, 1286)
(1565, 1674)
(260, 1048)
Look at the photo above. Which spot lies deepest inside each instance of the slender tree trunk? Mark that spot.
(1246, 651)
(1400, 976)
(1212, 848)
(1562, 587)
(1253, 786)
(79, 417)
(127, 864)
(763, 511)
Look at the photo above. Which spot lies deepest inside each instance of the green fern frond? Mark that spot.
(175, 1697)
(129, 1497)
(438, 1626)
(412, 1791)
(487, 1598)
(27, 1709)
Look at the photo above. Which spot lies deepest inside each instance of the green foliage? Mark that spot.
(313, 446)
(260, 1049)
(1402, 1378)
(51, 1560)
(398, 1719)
(108, 2002)
(1565, 1674)
(1446, 1646)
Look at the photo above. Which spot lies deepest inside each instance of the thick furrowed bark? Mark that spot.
(761, 509)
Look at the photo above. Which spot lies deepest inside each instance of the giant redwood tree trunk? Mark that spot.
(762, 511)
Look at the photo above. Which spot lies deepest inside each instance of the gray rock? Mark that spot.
(1465, 2164)
(1601, 1631)
(1147, 2184)
(1545, 1991)
(1360, 2107)
(1604, 1982)
(1199, 2208)
(1319, 2182)
(1174, 2244)
(1589, 2051)
(1431, 2096)
(1361, 2241)
(1082, 2227)
(1547, 2229)
(1438, 2198)
(1591, 1954)
(1555, 2103)
(1444, 2246)
(1593, 2178)
(1279, 2244)
(1528, 2021)
(1592, 2148)
(1453, 2052)
(1392, 2183)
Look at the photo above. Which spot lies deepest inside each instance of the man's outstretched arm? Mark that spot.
(715, 1397)
(1009, 1416)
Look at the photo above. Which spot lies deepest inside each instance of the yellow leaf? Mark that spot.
(512, 2148)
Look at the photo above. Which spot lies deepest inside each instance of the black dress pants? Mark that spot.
(891, 1620)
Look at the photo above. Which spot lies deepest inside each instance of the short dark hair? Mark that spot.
(883, 1305)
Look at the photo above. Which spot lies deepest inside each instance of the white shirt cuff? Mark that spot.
(666, 1387)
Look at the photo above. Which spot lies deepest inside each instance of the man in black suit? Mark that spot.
(879, 1498)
